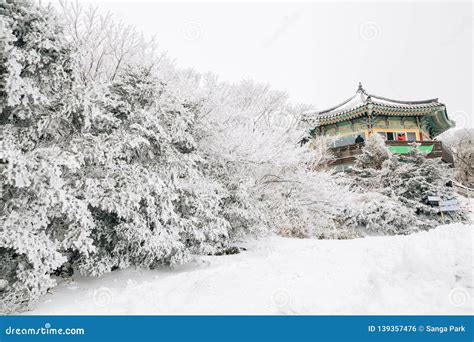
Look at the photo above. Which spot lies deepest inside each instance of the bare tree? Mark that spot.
(461, 143)
(105, 45)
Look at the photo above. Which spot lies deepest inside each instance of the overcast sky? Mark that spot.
(318, 52)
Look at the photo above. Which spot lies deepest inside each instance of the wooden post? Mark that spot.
(369, 116)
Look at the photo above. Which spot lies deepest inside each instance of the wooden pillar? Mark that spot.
(369, 116)
(418, 124)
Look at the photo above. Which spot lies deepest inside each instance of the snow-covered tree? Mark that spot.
(143, 181)
(320, 149)
(461, 144)
(261, 147)
(105, 45)
(367, 165)
(405, 181)
(374, 153)
(41, 218)
(414, 177)
(95, 175)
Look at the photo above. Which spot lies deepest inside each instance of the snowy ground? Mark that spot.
(424, 273)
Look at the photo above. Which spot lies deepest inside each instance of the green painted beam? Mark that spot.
(406, 149)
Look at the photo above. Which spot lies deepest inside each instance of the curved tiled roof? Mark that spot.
(359, 104)
(362, 98)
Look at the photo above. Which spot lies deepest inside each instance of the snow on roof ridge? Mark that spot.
(369, 97)
(337, 106)
(404, 102)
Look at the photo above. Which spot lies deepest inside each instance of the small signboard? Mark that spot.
(449, 205)
(433, 199)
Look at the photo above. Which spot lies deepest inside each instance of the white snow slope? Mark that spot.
(424, 273)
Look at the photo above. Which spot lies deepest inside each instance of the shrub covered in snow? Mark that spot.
(374, 154)
(143, 180)
(377, 214)
(399, 185)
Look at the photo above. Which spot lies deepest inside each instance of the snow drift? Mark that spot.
(423, 273)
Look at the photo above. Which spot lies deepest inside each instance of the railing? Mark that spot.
(348, 153)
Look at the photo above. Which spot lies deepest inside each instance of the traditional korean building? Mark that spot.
(399, 122)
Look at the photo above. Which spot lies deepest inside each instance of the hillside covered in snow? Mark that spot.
(423, 273)
(125, 178)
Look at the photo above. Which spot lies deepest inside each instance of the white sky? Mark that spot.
(318, 52)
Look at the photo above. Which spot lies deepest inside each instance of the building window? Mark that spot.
(398, 136)
(401, 136)
(348, 139)
(411, 136)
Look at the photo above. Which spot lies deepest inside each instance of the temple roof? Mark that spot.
(361, 102)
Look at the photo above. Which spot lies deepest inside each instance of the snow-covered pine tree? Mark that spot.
(364, 174)
(143, 178)
(41, 218)
(374, 153)
(404, 181)
(100, 175)
(374, 212)
(412, 178)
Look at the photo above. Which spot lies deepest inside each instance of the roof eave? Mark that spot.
(438, 122)
(440, 119)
